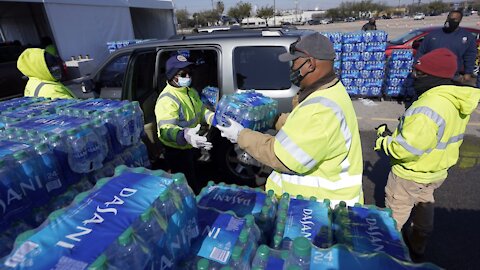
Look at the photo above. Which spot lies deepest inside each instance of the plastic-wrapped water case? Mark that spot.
(396, 64)
(355, 56)
(210, 96)
(402, 55)
(30, 177)
(224, 240)
(368, 230)
(306, 256)
(299, 217)
(242, 201)
(374, 36)
(73, 139)
(136, 218)
(350, 74)
(251, 109)
(123, 119)
(352, 37)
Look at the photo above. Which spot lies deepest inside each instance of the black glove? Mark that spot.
(383, 131)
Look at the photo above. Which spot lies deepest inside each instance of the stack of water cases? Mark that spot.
(139, 218)
(363, 62)
(251, 109)
(209, 97)
(336, 39)
(399, 81)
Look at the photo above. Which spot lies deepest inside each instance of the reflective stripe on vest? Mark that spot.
(38, 88)
(166, 122)
(319, 182)
(437, 119)
(301, 156)
(208, 114)
(181, 116)
(347, 135)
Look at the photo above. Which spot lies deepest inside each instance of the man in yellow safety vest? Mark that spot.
(317, 150)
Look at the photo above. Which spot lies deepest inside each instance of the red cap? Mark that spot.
(440, 63)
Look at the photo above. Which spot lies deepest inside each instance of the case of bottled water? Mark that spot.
(123, 119)
(299, 217)
(242, 201)
(140, 218)
(306, 256)
(209, 96)
(225, 240)
(368, 230)
(251, 109)
(269, 259)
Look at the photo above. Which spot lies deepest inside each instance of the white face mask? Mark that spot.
(184, 82)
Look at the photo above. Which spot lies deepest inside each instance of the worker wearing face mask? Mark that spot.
(425, 145)
(461, 42)
(44, 72)
(179, 112)
(317, 150)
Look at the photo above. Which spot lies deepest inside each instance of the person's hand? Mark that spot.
(383, 131)
(197, 141)
(231, 132)
(378, 144)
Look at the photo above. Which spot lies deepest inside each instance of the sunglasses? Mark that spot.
(184, 73)
(294, 49)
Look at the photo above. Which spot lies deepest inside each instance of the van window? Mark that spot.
(113, 73)
(259, 68)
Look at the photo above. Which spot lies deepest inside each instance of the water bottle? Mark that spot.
(19, 205)
(101, 129)
(63, 200)
(32, 181)
(24, 236)
(100, 263)
(124, 127)
(129, 250)
(236, 261)
(300, 257)
(138, 118)
(54, 182)
(77, 152)
(261, 257)
(180, 185)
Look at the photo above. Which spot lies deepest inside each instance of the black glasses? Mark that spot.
(183, 73)
(294, 49)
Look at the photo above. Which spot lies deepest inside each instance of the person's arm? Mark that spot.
(412, 138)
(261, 147)
(469, 57)
(207, 115)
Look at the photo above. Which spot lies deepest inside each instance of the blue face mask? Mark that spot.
(184, 81)
(296, 76)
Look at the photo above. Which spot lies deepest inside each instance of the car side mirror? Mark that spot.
(88, 86)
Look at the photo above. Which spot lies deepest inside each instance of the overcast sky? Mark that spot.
(200, 5)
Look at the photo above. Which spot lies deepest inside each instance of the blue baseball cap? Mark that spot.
(176, 63)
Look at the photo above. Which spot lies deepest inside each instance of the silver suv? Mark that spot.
(233, 61)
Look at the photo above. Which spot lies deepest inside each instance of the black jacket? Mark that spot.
(369, 27)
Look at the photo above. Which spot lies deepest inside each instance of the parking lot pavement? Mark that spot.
(371, 113)
(394, 27)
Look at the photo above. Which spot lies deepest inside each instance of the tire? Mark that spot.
(231, 170)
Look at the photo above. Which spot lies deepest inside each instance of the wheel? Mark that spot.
(236, 171)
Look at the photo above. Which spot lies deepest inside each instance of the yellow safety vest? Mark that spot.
(427, 140)
(320, 143)
(178, 108)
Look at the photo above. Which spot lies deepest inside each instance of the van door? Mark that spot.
(140, 85)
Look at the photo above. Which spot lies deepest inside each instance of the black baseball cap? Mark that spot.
(313, 45)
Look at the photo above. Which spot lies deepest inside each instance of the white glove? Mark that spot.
(197, 141)
(231, 132)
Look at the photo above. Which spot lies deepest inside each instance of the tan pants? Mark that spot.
(402, 195)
